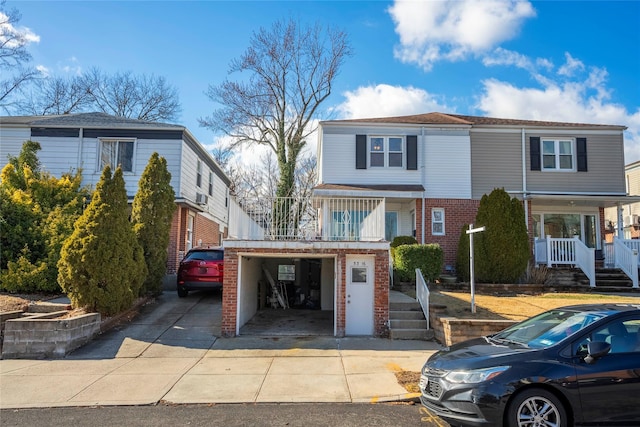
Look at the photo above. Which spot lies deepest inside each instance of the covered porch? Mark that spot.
(570, 230)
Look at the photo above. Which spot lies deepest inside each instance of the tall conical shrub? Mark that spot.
(101, 266)
(501, 252)
(152, 212)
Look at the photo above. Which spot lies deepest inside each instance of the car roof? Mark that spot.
(604, 308)
(206, 249)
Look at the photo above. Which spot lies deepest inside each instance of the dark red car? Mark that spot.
(200, 269)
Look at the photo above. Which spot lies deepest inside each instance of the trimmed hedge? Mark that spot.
(428, 258)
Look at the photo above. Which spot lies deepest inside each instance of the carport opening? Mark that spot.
(286, 296)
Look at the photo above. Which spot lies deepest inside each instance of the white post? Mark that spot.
(470, 232)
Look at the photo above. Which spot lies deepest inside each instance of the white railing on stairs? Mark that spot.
(626, 259)
(422, 294)
(571, 251)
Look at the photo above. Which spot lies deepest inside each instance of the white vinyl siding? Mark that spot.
(447, 163)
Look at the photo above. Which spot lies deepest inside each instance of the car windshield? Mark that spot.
(205, 255)
(547, 328)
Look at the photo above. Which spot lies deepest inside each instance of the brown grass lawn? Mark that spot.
(519, 307)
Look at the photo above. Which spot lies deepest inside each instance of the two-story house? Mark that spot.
(424, 175)
(89, 141)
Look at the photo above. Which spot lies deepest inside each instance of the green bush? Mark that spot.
(22, 276)
(400, 241)
(428, 258)
(101, 265)
(151, 214)
(462, 256)
(501, 252)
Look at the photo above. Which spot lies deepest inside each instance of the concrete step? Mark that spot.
(410, 334)
(404, 306)
(408, 324)
(408, 315)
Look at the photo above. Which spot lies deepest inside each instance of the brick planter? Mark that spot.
(46, 335)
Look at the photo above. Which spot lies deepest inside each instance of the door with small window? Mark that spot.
(360, 298)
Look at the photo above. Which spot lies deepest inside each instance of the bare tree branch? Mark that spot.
(290, 73)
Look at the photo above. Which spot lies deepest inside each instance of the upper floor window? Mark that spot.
(558, 154)
(210, 183)
(199, 174)
(385, 151)
(437, 222)
(117, 152)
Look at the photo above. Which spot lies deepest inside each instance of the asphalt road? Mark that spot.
(255, 415)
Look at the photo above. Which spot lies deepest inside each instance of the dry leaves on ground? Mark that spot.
(409, 380)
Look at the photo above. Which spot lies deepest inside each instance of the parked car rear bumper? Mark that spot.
(194, 285)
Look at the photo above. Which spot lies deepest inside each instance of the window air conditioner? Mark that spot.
(201, 199)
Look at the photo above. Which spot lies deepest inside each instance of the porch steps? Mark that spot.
(607, 279)
(406, 320)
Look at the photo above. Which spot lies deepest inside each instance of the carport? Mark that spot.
(305, 288)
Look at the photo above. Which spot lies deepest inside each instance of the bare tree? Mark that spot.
(291, 72)
(55, 95)
(13, 57)
(141, 97)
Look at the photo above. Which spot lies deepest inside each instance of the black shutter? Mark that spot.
(412, 152)
(534, 152)
(361, 151)
(581, 145)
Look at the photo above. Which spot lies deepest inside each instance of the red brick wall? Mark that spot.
(204, 230)
(457, 213)
(381, 285)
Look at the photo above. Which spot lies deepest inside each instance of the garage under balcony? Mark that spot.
(280, 295)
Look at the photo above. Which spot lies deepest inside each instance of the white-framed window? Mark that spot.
(199, 174)
(386, 151)
(117, 152)
(437, 221)
(210, 183)
(558, 154)
(189, 236)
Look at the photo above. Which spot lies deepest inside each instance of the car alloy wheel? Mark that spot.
(537, 408)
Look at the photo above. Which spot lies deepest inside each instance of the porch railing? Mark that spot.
(422, 294)
(289, 218)
(567, 251)
(626, 258)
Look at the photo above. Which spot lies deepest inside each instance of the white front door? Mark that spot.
(359, 308)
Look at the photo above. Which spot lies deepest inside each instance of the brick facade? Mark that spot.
(457, 214)
(381, 284)
(206, 232)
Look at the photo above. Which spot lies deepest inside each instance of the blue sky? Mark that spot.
(575, 61)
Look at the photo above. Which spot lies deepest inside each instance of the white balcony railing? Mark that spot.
(287, 218)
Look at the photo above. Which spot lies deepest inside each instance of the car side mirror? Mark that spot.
(596, 350)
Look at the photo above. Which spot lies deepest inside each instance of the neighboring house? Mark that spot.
(625, 222)
(423, 175)
(89, 141)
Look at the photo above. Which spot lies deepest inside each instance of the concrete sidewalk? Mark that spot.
(171, 353)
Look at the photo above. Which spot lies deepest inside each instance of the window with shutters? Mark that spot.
(386, 151)
(558, 155)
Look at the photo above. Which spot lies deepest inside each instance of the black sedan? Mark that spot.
(577, 365)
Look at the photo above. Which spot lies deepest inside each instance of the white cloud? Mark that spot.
(571, 66)
(583, 99)
(387, 101)
(452, 30)
(13, 37)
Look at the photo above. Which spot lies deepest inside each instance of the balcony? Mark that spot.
(318, 218)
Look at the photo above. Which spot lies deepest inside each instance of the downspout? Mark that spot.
(524, 180)
(424, 172)
(80, 137)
